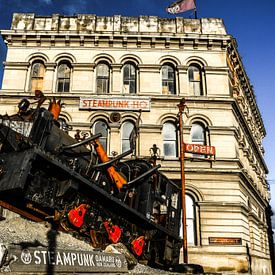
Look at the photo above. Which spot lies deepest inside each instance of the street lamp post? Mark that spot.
(181, 107)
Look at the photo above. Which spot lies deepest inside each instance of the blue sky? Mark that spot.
(251, 22)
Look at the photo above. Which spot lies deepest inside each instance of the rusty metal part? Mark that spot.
(20, 212)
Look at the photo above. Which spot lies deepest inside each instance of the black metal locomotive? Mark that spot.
(45, 173)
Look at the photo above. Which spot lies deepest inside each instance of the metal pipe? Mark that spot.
(111, 161)
(74, 145)
(181, 107)
(149, 172)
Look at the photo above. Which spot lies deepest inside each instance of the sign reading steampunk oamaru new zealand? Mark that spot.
(66, 261)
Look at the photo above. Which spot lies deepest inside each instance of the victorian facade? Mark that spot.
(108, 71)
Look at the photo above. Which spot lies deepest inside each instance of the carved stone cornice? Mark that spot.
(245, 84)
(50, 65)
(83, 66)
(16, 65)
(216, 70)
(149, 67)
(182, 68)
(116, 67)
(248, 133)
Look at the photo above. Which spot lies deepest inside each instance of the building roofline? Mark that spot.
(245, 83)
(92, 23)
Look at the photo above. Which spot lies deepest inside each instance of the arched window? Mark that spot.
(129, 79)
(63, 124)
(198, 133)
(190, 220)
(101, 127)
(37, 76)
(198, 136)
(63, 77)
(195, 79)
(168, 79)
(102, 78)
(127, 129)
(169, 134)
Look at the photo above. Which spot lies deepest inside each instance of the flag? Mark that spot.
(181, 6)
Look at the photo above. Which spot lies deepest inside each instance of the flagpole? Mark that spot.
(196, 15)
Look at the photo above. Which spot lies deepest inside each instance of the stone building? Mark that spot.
(106, 69)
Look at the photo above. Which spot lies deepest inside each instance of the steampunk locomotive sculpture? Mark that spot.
(45, 173)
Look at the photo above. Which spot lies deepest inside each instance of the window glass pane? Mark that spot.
(190, 231)
(61, 70)
(169, 131)
(37, 76)
(164, 72)
(132, 71)
(169, 140)
(197, 88)
(169, 149)
(198, 136)
(63, 78)
(126, 131)
(194, 76)
(100, 127)
(126, 71)
(189, 207)
(129, 78)
(102, 86)
(168, 80)
(198, 133)
(102, 79)
(132, 87)
(64, 71)
(125, 145)
(165, 89)
(170, 73)
(66, 85)
(190, 73)
(38, 70)
(103, 70)
(35, 70)
(60, 86)
(190, 220)
(171, 87)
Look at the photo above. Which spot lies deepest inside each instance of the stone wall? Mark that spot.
(92, 23)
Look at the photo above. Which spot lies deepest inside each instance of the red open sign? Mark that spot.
(200, 149)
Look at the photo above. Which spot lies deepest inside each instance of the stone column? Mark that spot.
(182, 81)
(116, 78)
(114, 138)
(49, 78)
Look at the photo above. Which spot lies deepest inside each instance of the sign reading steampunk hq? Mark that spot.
(150, 63)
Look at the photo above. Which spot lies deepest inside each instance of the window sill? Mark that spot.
(169, 158)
